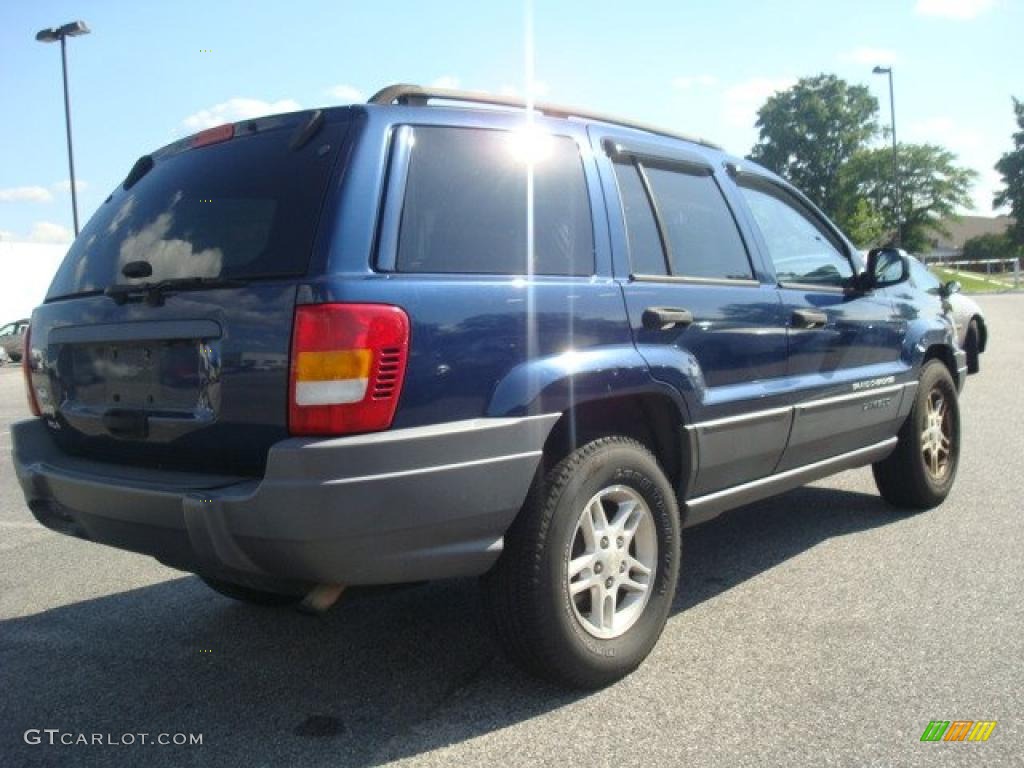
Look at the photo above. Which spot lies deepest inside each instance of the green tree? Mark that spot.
(862, 222)
(807, 133)
(990, 247)
(932, 186)
(1011, 167)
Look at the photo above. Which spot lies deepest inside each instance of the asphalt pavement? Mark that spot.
(818, 628)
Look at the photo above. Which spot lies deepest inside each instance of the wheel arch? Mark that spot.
(943, 354)
(651, 418)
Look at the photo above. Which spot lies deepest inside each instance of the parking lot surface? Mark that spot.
(817, 628)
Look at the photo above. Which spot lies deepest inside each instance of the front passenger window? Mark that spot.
(801, 250)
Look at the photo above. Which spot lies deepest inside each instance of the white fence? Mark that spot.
(999, 271)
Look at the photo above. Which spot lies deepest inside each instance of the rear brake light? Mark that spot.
(26, 368)
(213, 135)
(347, 366)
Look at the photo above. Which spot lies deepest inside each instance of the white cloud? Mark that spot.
(34, 194)
(953, 9)
(871, 56)
(48, 232)
(235, 109)
(685, 82)
(445, 81)
(65, 186)
(945, 132)
(346, 94)
(741, 101)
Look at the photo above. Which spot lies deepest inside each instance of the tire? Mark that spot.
(972, 345)
(249, 594)
(539, 624)
(911, 476)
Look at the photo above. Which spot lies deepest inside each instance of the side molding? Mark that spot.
(704, 508)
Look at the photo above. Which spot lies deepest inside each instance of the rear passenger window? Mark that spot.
(465, 207)
(695, 222)
(702, 235)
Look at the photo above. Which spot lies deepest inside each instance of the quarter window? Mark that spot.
(466, 204)
(800, 248)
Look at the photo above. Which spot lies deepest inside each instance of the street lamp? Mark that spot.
(895, 156)
(52, 35)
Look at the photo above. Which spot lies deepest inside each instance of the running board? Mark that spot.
(704, 508)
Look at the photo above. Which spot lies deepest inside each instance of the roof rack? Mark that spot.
(416, 95)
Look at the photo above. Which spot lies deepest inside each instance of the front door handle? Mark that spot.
(809, 319)
(663, 318)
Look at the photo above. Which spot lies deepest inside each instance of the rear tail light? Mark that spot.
(26, 368)
(347, 366)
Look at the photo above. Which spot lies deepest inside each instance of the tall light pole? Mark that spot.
(895, 155)
(52, 35)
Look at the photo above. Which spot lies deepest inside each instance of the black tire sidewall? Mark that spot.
(935, 375)
(592, 656)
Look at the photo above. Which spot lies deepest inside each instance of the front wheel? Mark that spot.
(583, 588)
(919, 473)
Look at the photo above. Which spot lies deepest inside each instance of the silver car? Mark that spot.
(12, 340)
(971, 331)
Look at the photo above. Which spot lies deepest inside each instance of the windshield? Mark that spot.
(244, 208)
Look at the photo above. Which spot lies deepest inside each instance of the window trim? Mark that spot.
(392, 207)
(399, 160)
(793, 198)
(751, 282)
(659, 223)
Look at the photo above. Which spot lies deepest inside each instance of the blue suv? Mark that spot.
(438, 335)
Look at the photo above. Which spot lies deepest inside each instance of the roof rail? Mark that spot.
(416, 95)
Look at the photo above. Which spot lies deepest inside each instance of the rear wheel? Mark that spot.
(249, 594)
(920, 472)
(972, 346)
(584, 586)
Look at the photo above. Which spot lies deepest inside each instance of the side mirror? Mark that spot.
(949, 288)
(886, 266)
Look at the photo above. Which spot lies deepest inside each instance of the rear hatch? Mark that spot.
(164, 338)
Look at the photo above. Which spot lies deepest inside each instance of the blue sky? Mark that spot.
(143, 78)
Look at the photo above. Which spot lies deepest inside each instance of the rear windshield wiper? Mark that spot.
(153, 293)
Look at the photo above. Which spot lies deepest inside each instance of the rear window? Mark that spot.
(244, 208)
(465, 207)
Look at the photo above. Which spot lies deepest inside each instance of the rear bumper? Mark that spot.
(405, 505)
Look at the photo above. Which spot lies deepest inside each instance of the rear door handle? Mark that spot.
(809, 319)
(663, 318)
